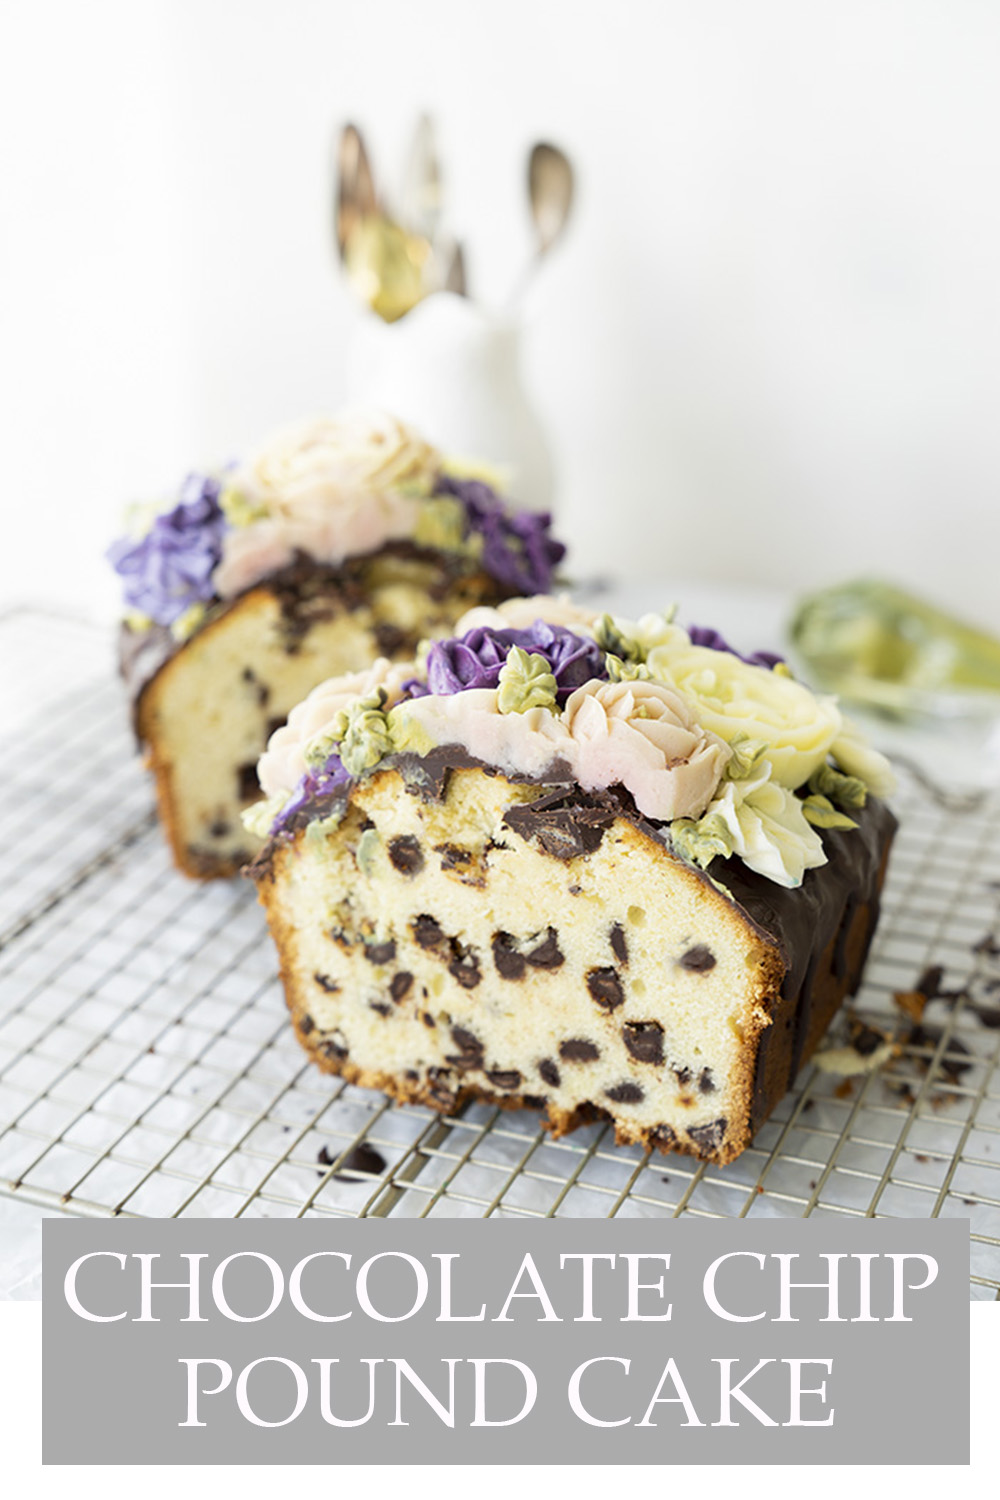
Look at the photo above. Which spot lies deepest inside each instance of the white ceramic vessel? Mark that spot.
(453, 371)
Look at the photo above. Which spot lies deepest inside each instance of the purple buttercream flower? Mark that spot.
(517, 548)
(314, 784)
(171, 567)
(475, 659)
(704, 635)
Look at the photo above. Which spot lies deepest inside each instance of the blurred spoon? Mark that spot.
(420, 199)
(355, 186)
(455, 277)
(550, 190)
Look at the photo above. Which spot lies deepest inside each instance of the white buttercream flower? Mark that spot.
(332, 488)
(768, 829)
(644, 736)
(857, 757)
(731, 697)
(652, 631)
(284, 761)
(526, 744)
(521, 613)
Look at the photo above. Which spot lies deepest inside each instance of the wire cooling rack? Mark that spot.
(147, 1067)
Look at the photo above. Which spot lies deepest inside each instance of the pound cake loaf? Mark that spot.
(339, 542)
(593, 866)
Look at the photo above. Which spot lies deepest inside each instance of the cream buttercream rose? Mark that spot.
(643, 736)
(732, 698)
(332, 488)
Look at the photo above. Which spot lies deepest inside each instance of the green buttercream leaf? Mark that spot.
(625, 671)
(441, 523)
(363, 732)
(186, 624)
(821, 813)
(782, 669)
(699, 842)
(747, 756)
(408, 734)
(611, 639)
(525, 682)
(844, 791)
(237, 509)
(258, 818)
(368, 847)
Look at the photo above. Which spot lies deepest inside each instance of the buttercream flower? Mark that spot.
(854, 755)
(732, 697)
(643, 736)
(528, 744)
(476, 659)
(170, 568)
(284, 763)
(521, 612)
(768, 828)
(332, 488)
(517, 548)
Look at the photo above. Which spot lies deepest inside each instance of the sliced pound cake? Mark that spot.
(339, 543)
(543, 871)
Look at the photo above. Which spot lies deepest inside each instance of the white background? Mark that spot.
(768, 352)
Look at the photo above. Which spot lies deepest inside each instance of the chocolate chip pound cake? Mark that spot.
(340, 542)
(586, 865)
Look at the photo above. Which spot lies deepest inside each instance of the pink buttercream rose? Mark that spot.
(284, 761)
(332, 488)
(644, 737)
(521, 613)
(249, 554)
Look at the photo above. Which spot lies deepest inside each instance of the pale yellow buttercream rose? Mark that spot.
(521, 612)
(643, 736)
(332, 488)
(731, 698)
(284, 761)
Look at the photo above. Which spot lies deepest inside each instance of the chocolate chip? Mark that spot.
(247, 783)
(467, 1041)
(380, 1007)
(708, 1137)
(334, 1046)
(663, 1136)
(306, 1025)
(605, 987)
(405, 854)
(218, 828)
(683, 1076)
(579, 1050)
(428, 1019)
(698, 959)
(411, 1074)
(510, 964)
(626, 1093)
(644, 1039)
(466, 970)
(389, 638)
(360, 1158)
(865, 1041)
(453, 857)
(504, 1078)
(326, 983)
(400, 985)
(440, 1087)
(533, 1101)
(381, 953)
(548, 954)
(427, 931)
(706, 1083)
(619, 947)
(548, 1070)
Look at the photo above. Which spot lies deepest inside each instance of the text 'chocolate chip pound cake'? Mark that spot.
(340, 542)
(578, 863)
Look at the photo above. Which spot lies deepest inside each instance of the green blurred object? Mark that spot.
(881, 646)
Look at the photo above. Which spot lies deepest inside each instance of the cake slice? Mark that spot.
(543, 871)
(340, 542)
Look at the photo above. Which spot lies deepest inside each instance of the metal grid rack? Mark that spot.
(147, 1068)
